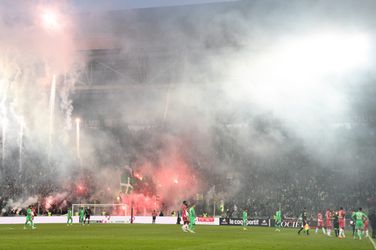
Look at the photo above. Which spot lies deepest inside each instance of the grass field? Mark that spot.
(126, 236)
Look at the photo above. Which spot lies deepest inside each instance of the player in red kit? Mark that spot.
(320, 223)
(365, 222)
(341, 220)
(184, 216)
(328, 222)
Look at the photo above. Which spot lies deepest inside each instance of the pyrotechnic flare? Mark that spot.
(3, 132)
(78, 153)
(51, 118)
(22, 124)
(166, 104)
(3, 141)
(50, 20)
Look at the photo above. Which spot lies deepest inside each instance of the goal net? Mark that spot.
(103, 209)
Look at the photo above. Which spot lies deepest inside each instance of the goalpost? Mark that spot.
(102, 209)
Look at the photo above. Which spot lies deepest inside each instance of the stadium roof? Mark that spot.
(145, 28)
(110, 5)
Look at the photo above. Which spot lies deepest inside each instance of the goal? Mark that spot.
(103, 209)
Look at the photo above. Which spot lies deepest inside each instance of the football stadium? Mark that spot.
(188, 124)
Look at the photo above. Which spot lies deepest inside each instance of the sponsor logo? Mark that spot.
(250, 222)
(287, 223)
(265, 223)
(205, 219)
(223, 221)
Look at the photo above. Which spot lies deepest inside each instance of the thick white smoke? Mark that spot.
(244, 87)
(37, 46)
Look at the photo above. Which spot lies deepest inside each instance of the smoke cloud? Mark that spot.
(243, 102)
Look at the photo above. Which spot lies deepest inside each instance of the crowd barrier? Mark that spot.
(107, 219)
(259, 222)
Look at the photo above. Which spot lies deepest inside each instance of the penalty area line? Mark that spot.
(373, 243)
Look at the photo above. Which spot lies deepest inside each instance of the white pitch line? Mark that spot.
(373, 243)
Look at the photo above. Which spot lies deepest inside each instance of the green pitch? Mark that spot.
(119, 236)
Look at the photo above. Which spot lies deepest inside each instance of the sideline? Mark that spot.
(373, 243)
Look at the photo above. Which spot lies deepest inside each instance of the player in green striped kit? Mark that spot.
(359, 225)
(29, 218)
(192, 218)
(245, 219)
(70, 217)
(278, 220)
(82, 215)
